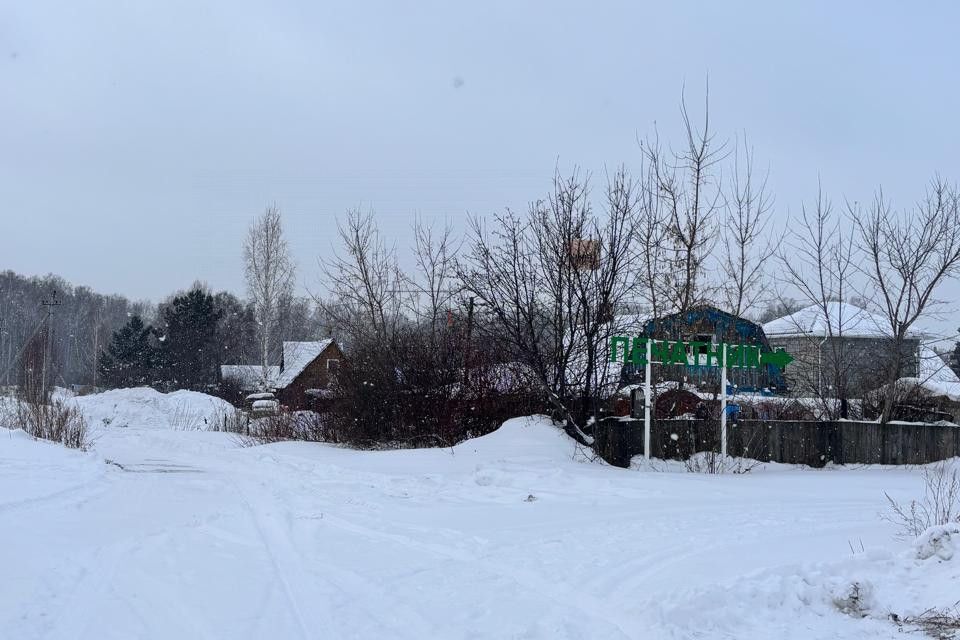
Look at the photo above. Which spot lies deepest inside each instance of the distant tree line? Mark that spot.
(108, 340)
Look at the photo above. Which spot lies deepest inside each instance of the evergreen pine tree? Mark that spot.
(130, 358)
(190, 356)
(237, 330)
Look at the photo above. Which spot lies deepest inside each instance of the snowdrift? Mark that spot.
(147, 408)
(31, 469)
(872, 594)
(527, 454)
(534, 437)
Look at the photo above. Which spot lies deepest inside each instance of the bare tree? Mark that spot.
(602, 285)
(414, 374)
(270, 275)
(368, 289)
(817, 261)
(909, 255)
(434, 283)
(749, 244)
(501, 270)
(551, 282)
(650, 248)
(691, 194)
(778, 307)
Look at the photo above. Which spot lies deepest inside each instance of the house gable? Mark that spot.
(317, 372)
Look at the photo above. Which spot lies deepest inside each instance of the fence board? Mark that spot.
(792, 442)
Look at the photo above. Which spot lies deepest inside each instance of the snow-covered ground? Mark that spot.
(184, 534)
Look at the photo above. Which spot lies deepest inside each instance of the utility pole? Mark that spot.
(96, 349)
(48, 342)
(467, 354)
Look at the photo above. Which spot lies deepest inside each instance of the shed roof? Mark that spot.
(249, 376)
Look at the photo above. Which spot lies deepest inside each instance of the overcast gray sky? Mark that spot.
(138, 140)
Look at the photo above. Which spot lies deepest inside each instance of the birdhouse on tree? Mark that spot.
(585, 254)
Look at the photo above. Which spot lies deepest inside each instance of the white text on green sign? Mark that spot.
(693, 353)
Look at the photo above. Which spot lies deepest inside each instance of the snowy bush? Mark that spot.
(184, 419)
(232, 421)
(421, 394)
(940, 504)
(854, 598)
(713, 462)
(298, 425)
(275, 428)
(56, 421)
(941, 624)
(939, 541)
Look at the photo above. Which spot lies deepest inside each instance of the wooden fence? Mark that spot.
(792, 442)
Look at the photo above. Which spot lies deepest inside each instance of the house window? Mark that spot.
(699, 353)
(333, 365)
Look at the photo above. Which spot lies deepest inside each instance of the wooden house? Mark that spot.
(305, 374)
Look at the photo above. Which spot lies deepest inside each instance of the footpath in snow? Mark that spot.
(185, 534)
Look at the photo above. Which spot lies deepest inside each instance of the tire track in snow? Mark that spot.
(77, 615)
(676, 548)
(286, 561)
(283, 561)
(74, 495)
(564, 596)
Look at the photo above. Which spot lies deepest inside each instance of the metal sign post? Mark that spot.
(723, 404)
(646, 404)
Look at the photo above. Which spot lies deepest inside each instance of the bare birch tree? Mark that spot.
(909, 254)
(269, 273)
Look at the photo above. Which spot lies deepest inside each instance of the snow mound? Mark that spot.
(526, 438)
(32, 470)
(18, 434)
(525, 456)
(872, 594)
(939, 541)
(143, 407)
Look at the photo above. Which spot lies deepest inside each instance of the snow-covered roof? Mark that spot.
(629, 323)
(844, 319)
(935, 376)
(250, 376)
(296, 357)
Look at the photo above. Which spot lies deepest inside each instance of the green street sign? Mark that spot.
(695, 354)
